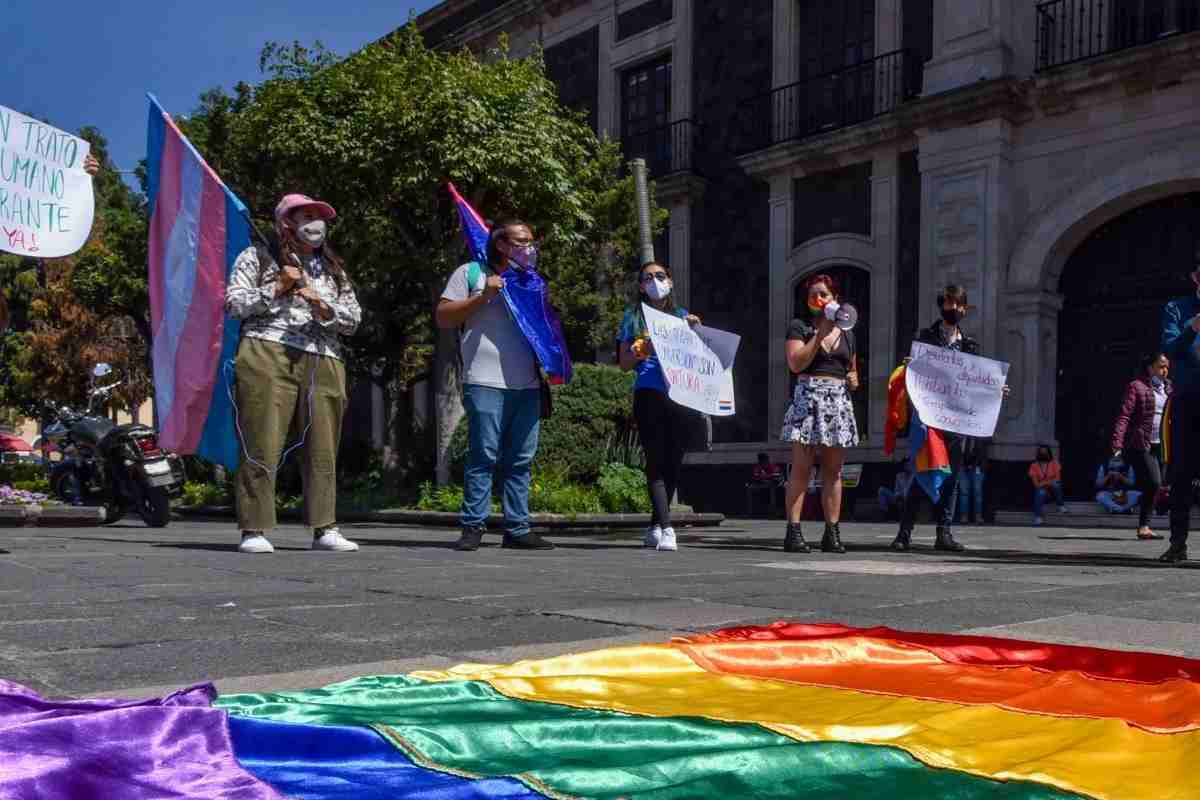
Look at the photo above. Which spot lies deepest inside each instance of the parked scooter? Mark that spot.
(119, 467)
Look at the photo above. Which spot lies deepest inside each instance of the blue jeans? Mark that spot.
(502, 428)
(970, 492)
(1040, 495)
(1109, 501)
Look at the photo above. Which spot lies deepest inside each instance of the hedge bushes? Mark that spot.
(592, 425)
(620, 489)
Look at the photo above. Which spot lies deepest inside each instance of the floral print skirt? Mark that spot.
(820, 415)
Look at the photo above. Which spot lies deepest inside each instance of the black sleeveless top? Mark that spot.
(834, 364)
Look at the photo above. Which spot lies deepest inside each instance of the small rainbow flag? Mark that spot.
(782, 711)
(926, 446)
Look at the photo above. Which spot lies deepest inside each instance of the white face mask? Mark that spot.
(312, 233)
(657, 289)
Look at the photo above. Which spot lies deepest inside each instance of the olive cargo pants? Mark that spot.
(273, 384)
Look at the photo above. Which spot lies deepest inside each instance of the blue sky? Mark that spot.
(75, 63)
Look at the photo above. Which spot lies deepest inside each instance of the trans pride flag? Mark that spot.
(527, 296)
(197, 228)
(788, 710)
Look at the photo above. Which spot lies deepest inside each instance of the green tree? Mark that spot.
(379, 133)
(66, 314)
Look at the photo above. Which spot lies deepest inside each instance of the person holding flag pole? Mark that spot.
(294, 307)
(256, 321)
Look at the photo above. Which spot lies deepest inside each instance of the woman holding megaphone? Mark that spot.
(820, 421)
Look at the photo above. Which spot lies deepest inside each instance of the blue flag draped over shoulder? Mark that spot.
(527, 296)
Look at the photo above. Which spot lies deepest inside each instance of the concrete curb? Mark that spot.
(450, 519)
(13, 516)
(55, 516)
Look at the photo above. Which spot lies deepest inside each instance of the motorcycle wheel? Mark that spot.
(69, 489)
(155, 507)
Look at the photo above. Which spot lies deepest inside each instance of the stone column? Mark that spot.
(780, 205)
(966, 176)
(785, 61)
(885, 189)
(607, 89)
(1029, 342)
(679, 240)
(971, 42)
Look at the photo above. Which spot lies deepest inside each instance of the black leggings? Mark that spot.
(661, 428)
(1148, 471)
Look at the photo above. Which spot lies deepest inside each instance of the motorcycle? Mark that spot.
(118, 467)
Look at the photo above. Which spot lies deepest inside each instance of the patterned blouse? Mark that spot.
(289, 320)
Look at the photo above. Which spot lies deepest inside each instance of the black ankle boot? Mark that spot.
(903, 541)
(831, 542)
(1175, 553)
(945, 541)
(794, 542)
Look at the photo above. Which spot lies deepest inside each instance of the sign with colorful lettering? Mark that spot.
(46, 200)
(956, 392)
(697, 362)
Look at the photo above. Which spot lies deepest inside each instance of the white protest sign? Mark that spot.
(46, 200)
(697, 362)
(956, 392)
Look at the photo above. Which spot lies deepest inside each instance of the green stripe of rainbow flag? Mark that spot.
(791, 710)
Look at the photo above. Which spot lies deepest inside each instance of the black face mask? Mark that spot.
(1043, 457)
(952, 315)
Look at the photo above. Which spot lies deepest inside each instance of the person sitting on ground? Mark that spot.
(891, 501)
(766, 472)
(1046, 474)
(1114, 482)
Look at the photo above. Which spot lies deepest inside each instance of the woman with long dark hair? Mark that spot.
(820, 421)
(295, 305)
(661, 423)
(1138, 432)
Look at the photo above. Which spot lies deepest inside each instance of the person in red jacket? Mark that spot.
(1137, 433)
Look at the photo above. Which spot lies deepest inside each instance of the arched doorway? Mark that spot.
(855, 286)
(1114, 287)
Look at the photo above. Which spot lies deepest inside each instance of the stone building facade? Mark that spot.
(1043, 153)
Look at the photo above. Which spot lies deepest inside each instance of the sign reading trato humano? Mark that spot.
(46, 200)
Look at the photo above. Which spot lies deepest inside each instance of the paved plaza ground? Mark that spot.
(127, 609)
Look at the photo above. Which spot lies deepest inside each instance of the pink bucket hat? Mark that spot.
(291, 202)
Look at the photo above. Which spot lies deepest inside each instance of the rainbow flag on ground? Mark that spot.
(782, 711)
(197, 229)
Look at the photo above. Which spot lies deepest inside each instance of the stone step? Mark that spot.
(1088, 517)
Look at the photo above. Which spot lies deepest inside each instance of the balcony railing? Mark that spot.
(667, 149)
(830, 101)
(1074, 30)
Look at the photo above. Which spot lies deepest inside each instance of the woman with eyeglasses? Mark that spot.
(820, 421)
(662, 424)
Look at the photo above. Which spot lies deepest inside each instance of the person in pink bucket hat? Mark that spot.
(295, 302)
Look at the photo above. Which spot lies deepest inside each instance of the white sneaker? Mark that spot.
(667, 541)
(1037, 521)
(1063, 510)
(255, 542)
(331, 539)
(652, 537)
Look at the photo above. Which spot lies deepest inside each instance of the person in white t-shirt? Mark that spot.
(501, 388)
